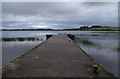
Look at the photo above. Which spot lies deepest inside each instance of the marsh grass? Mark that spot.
(104, 32)
(88, 35)
(21, 39)
(87, 42)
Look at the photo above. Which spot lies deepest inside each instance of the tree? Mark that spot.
(96, 26)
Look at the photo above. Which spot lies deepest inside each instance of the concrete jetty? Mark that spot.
(58, 56)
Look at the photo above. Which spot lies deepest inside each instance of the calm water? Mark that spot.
(103, 47)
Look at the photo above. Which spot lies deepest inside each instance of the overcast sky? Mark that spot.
(58, 14)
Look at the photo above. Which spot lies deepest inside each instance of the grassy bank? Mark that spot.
(105, 29)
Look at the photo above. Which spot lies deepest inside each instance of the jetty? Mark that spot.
(58, 56)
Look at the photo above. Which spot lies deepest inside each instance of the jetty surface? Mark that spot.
(58, 56)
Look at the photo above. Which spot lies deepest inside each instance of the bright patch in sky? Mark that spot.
(39, 26)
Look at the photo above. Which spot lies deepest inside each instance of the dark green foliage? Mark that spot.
(21, 39)
(84, 28)
(96, 26)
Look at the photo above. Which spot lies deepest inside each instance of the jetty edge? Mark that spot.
(58, 56)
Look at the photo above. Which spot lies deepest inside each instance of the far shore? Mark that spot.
(85, 28)
(64, 30)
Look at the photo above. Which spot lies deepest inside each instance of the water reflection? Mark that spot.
(12, 50)
(16, 43)
(13, 47)
(87, 35)
(103, 48)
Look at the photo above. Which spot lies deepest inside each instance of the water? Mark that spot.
(16, 43)
(103, 47)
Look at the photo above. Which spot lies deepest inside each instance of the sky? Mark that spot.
(58, 15)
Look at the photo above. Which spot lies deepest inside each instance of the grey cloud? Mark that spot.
(92, 4)
(59, 14)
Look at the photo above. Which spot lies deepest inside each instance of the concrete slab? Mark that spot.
(56, 57)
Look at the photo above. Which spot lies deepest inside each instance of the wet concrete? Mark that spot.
(58, 56)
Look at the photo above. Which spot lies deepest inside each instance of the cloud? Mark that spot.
(58, 14)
